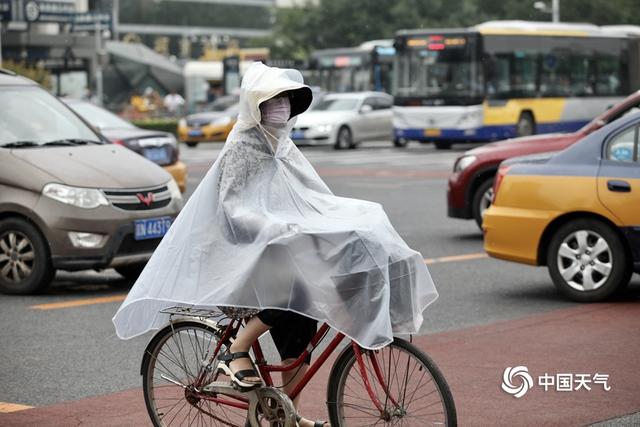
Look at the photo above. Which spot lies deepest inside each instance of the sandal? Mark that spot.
(238, 377)
(315, 423)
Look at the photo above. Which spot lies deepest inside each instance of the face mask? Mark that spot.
(276, 110)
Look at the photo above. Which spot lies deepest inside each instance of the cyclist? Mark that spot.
(263, 234)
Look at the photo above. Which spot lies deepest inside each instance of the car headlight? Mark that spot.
(182, 123)
(324, 128)
(174, 190)
(87, 198)
(222, 121)
(463, 162)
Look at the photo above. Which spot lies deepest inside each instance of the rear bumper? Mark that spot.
(514, 234)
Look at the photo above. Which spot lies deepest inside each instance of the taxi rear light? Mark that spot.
(502, 171)
(118, 141)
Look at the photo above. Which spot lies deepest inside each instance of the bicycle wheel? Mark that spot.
(173, 361)
(410, 388)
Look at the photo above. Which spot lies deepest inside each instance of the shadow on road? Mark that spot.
(88, 283)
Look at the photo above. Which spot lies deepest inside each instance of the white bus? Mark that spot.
(503, 79)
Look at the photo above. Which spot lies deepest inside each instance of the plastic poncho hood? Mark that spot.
(262, 230)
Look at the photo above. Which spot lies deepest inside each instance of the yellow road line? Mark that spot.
(79, 302)
(12, 407)
(455, 258)
(118, 298)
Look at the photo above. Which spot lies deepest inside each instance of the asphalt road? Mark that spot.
(50, 354)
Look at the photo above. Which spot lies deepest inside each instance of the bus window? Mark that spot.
(608, 75)
(581, 75)
(555, 77)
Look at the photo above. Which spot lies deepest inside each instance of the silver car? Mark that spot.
(345, 119)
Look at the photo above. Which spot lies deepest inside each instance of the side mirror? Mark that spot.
(366, 109)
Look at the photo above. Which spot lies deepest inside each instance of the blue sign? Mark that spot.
(5, 10)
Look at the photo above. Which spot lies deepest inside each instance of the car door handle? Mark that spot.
(619, 186)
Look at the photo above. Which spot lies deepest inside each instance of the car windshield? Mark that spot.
(222, 104)
(99, 117)
(32, 117)
(337, 104)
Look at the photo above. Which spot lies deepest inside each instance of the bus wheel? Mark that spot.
(526, 125)
(443, 145)
(400, 142)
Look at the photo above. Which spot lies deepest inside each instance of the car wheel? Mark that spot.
(400, 142)
(25, 264)
(525, 126)
(130, 271)
(442, 145)
(587, 261)
(191, 144)
(482, 199)
(344, 139)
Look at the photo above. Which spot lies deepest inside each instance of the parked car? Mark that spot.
(471, 182)
(345, 119)
(576, 211)
(212, 125)
(69, 199)
(159, 147)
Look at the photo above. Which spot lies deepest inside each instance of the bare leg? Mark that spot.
(289, 380)
(244, 340)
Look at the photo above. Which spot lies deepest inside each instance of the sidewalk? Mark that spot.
(590, 339)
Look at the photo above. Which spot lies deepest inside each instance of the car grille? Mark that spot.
(303, 128)
(141, 199)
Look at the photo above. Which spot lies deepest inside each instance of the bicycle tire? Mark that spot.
(347, 394)
(168, 353)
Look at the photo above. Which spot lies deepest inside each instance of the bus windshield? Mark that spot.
(439, 67)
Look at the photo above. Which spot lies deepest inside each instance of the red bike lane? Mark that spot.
(600, 339)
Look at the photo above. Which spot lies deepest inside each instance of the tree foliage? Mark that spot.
(337, 23)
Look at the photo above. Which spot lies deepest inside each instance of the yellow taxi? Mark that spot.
(212, 125)
(576, 211)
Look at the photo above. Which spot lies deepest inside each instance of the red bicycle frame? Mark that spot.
(266, 369)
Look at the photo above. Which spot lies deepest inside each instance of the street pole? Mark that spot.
(114, 19)
(0, 44)
(98, 76)
(555, 10)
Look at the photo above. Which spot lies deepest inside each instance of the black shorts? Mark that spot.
(291, 332)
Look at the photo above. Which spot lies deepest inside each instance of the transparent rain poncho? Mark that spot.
(262, 230)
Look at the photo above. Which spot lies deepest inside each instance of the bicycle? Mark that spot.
(396, 385)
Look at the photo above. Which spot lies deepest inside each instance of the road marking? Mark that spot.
(12, 407)
(456, 258)
(79, 302)
(119, 298)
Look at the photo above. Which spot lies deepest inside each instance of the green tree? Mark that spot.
(340, 23)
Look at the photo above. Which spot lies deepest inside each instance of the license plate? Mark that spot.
(195, 132)
(297, 134)
(151, 228)
(432, 132)
(157, 154)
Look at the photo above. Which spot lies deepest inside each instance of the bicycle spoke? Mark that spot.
(404, 385)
